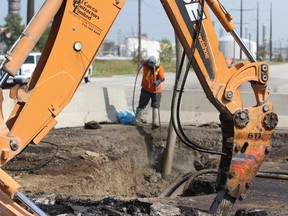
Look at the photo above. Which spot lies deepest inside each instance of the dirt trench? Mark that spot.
(116, 170)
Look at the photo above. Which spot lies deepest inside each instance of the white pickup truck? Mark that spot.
(28, 67)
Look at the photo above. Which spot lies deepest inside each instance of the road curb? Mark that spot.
(102, 105)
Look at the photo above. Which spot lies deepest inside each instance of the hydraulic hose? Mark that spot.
(177, 95)
(188, 178)
(134, 89)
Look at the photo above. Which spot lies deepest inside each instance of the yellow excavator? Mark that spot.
(78, 30)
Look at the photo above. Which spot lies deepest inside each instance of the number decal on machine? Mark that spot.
(194, 10)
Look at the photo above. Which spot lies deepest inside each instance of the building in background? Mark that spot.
(108, 48)
(14, 6)
(148, 47)
(231, 50)
(129, 48)
(281, 53)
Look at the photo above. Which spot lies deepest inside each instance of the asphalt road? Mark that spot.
(279, 79)
(277, 84)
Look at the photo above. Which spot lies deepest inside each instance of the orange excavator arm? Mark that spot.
(246, 131)
(78, 30)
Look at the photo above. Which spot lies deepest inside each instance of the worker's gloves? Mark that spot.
(157, 82)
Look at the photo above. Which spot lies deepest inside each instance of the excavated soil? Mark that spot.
(116, 170)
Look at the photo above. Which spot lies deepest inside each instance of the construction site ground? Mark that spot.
(116, 170)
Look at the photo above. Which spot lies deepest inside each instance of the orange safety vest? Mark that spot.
(149, 76)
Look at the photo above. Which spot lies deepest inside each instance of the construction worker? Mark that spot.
(153, 76)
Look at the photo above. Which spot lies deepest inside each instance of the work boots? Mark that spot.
(138, 115)
(155, 119)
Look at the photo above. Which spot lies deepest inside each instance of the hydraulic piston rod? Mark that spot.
(243, 46)
(29, 204)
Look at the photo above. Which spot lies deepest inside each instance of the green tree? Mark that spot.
(166, 53)
(261, 55)
(13, 21)
(279, 58)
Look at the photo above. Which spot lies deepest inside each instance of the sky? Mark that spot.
(157, 26)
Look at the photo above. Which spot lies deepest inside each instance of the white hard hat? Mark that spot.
(151, 62)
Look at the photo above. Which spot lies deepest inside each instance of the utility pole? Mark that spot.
(30, 10)
(139, 32)
(270, 40)
(264, 36)
(257, 32)
(241, 25)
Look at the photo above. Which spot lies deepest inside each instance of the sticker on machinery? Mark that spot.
(88, 14)
(194, 9)
(191, 11)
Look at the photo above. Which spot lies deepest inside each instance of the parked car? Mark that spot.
(26, 70)
(88, 74)
(28, 67)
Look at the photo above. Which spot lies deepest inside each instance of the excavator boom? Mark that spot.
(77, 32)
(79, 27)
